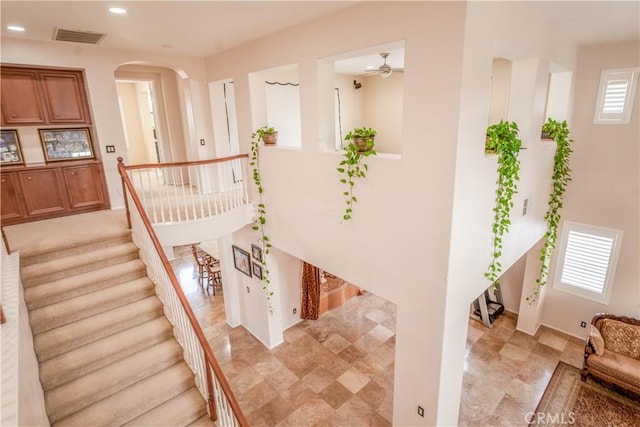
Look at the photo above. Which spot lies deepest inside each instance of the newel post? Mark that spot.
(122, 172)
(212, 398)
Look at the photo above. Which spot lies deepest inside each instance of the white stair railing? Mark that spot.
(222, 404)
(186, 191)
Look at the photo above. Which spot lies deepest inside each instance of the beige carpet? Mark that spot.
(40, 236)
(569, 401)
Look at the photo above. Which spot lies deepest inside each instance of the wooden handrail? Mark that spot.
(210, 358)
(5, 240)
(192, 163)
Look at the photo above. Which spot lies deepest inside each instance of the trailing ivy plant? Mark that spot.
(502, 139)
(561, 176)
(352, 166)
(256, 139)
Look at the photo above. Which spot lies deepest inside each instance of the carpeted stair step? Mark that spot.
(182, 410)
(88, 389)
(66, 338)
(134, 400)
(83, 306)
(70, 287)
(83, 360)
(48, 271)
(203, 421)
(77, 244)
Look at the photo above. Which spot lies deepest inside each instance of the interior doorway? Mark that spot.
(138, 114)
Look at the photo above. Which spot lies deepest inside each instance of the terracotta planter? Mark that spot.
(361, 143)
(270, 138)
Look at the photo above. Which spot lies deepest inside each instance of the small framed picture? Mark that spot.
(66, 144)
(257, 270)
(256, 252)
(10, 151)
(241, 260)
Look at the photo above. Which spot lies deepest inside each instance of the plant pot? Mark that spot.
(270, 138)
(361, 143)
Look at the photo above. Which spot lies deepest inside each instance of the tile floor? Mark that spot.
(338, 370)
(506, 371)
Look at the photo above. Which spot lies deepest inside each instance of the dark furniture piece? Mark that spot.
(30, 193)
(43, 96)
(618, 339)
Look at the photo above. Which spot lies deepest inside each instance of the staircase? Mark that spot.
(107, 354)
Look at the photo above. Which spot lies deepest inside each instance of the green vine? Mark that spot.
(256, 138)
(502, 139)
(560, 178)
(352, 166)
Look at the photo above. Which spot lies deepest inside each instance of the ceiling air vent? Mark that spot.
(89, 37)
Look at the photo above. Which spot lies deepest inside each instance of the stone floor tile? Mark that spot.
(335, 394)
(318, 379)
(353, 380)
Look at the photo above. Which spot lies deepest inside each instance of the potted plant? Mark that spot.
(352, 165)
(267, 134)
(263, 239)
(503, 140)
(363, 138)
(560, 177)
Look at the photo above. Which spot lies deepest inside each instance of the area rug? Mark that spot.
(569, 401)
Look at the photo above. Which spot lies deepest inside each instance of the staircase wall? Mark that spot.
(22, 396)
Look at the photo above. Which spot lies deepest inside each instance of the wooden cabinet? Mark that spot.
(38, 192)
(84, 186)
(64, 95)
(20, 97)
(43, 96)
(11, 204)
(42, 192)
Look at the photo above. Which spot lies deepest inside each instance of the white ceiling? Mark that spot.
(203, 28)
(196, 28)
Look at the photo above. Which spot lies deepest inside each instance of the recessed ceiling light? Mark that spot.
(15, 28)
(117, 10)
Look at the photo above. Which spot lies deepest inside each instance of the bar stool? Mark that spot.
(214, 277)
(202, 259)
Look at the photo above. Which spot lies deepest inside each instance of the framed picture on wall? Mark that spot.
(256, 252)
(66, 144)
(257, 270)
(241, 260)
(10, 151)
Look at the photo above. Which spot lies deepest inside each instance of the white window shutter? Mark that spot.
(586, 261)
(615, 96)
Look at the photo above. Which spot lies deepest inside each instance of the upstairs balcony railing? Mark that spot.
(210, 380)
(187, 191)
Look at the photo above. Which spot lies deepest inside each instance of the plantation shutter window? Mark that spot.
(615, 96)
(587, 261)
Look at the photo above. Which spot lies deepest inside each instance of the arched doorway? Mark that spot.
(149, 102)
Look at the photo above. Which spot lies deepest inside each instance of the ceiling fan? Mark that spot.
(384, 70)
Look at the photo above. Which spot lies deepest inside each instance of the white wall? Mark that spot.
(287, 270)
(500, 86)
(511, 285)
(516, 31)
(99, 65)
(383, 101)
(351, 104)
(604, 190)
(405, 263)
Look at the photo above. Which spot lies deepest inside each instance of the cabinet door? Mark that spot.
(42, 192)
(21, 99)
(84, 186)
(11, 203)
(65, 96)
